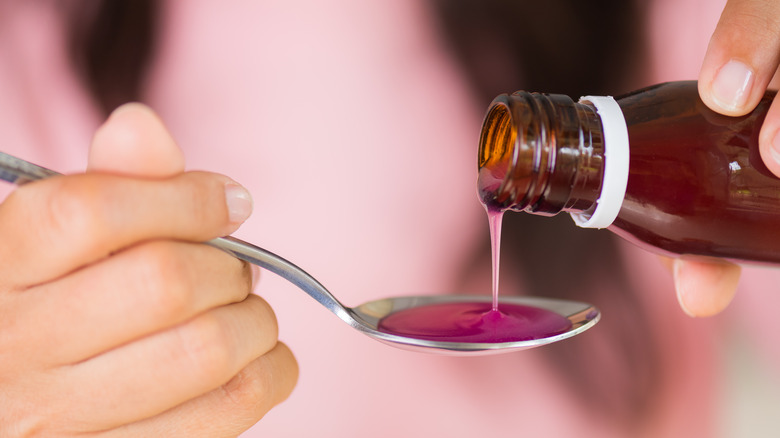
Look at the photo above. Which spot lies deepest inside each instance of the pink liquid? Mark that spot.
(495, 219)
(477, 322)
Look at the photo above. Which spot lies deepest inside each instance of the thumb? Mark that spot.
(134, 141)
(705, 287)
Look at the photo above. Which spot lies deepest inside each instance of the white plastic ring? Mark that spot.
(616, 161)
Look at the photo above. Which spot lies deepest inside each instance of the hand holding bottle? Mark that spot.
(740, 63)
(114, 321)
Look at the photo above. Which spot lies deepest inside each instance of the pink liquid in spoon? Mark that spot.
(477, 322)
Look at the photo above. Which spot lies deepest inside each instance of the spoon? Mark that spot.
(366, 317)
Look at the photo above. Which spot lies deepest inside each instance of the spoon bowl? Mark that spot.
(366, 317)
(581, 316)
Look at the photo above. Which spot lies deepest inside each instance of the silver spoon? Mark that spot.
(364, 318)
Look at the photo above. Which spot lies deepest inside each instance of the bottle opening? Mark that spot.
(498, 136)
(535, 154)
(496, 144)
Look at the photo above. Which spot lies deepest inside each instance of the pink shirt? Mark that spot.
(356, 135)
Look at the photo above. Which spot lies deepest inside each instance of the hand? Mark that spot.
(740, 62)
(114, 321)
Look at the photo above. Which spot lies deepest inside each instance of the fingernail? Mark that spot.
(774, 150)
(705, 287)
(679, 287)
(239, 202)
(731, 86)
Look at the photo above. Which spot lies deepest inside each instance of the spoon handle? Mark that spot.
(283, 268)
(17, 171)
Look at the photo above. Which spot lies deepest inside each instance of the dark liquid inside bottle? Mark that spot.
(697, 184)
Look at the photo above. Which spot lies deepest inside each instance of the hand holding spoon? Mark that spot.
(368, 318)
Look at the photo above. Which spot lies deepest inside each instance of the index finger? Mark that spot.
(742, 56)
(51, 227)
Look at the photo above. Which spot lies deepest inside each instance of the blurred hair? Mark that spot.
(111, 46)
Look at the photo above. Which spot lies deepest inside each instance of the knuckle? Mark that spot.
(247, 276)
(251, 391)
(749, 26)
(265, 313)
(205, 193)
(236, 275)
(197, 194)
(14, 340)
(206, 344)
(262, 384)
(75, 207)
(165, 277)
(14, 427)
(21, 416)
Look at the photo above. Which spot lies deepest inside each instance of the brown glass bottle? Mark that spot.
(695, 184)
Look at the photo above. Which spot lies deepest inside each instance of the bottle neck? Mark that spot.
(541, 153)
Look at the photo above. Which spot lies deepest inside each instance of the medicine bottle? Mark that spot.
(655, 166)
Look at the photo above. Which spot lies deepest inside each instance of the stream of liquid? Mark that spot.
(478, 322)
